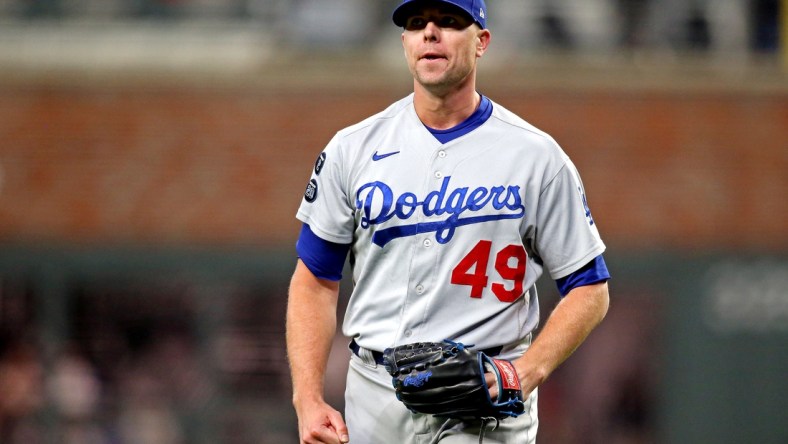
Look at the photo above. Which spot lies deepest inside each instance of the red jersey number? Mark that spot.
(509, 263)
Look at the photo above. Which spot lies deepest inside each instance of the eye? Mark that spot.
(415, 23)
(448, 21)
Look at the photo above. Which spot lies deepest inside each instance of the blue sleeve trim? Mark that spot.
(323, 258)
(591, 273)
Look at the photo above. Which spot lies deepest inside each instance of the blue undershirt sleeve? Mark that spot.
(591, 273)
(323, 258)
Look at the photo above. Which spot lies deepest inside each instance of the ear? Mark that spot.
(483, 38)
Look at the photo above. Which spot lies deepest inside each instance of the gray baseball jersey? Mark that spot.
(449, 239)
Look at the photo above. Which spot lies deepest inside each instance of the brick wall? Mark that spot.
(181, 165)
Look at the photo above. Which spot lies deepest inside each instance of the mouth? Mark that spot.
(432, 56)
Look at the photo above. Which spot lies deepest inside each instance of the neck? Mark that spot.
(448, 109)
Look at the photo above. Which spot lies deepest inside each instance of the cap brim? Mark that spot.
(405, 10)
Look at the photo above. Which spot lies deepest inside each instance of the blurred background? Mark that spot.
(153, 154)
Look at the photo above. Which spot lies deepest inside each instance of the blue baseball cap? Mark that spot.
(475, 8)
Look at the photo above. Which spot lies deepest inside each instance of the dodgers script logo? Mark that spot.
(379, 204)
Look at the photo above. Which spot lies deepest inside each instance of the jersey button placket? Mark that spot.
(441, 155)
(421, 277)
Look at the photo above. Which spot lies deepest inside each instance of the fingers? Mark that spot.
(327, 428)
(324, 434)
(492, 385)
(338, 424)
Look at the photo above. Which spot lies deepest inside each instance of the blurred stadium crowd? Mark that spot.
(725, 26)
(142, 360)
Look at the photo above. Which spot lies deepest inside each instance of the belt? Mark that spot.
(378, 356)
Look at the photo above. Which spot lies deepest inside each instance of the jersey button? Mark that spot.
(408, 333)
(427, 243)
(441, 153)
(419, 289)
(438, 174)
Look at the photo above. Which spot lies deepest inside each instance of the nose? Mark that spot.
(431, 31)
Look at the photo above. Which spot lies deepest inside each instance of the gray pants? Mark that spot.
(375, 416)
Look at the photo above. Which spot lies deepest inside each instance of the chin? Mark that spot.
(432, 79)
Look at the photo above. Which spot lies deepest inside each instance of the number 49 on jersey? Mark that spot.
(509, 264)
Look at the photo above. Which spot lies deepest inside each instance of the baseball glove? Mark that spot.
(447, 379)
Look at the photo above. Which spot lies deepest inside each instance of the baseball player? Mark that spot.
(449, 208)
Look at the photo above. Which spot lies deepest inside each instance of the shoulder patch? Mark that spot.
(311, 191)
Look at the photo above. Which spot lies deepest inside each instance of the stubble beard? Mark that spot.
(440, 83)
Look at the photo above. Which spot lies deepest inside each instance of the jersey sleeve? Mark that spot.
(325, 206)
(323, 258)
(591, 273)
(567, 237)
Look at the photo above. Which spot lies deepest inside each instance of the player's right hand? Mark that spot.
(319, 423)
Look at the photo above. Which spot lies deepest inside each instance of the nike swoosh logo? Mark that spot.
(376, 156)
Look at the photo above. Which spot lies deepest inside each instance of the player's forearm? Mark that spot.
(575, 316)
(310, 329)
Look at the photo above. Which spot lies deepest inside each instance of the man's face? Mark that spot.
(441, 45)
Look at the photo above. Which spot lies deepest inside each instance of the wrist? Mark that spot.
(531, 376)
(305, 399)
